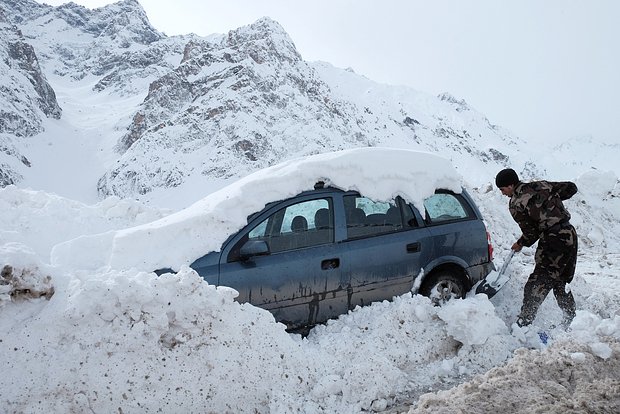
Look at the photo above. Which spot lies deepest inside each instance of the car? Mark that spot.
(323, 252)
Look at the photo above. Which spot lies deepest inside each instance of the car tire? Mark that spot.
(442, 286)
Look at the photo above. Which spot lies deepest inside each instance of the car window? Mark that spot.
(445, 207)
(366, 217)
(409, 217)
(299, 225)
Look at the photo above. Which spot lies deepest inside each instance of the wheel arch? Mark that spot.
(454, 267)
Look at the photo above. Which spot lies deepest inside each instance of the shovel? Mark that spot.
(495, 280)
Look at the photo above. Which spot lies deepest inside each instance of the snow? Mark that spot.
(566, 377)
(205, 225)
(86, 327)
(90, 330)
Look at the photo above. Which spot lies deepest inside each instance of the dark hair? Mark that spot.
(506, 177)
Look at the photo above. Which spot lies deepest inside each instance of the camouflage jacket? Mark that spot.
(537, 206)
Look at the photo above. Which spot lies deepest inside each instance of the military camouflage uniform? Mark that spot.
(538, 209)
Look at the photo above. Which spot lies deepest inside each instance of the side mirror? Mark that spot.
(253, 248)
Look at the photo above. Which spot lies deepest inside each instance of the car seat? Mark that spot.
(299, 224)
(321, 219)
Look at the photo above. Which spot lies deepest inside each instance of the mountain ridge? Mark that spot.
(186, 109)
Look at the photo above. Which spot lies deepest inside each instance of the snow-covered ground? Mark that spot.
(85, 328)
(86, 335)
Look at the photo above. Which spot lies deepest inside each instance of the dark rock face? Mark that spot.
(124, 21)
(8, 173)
(25, 59)
(27, 90)
(18, 11)
(26, 97)
(238, 56)
(8, 176)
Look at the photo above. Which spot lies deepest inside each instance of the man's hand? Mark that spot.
(516, 247)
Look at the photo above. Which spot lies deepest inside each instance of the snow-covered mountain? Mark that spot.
(167, 120)
(116, 44)
(153, 113)
(26, 98)
(183, 110)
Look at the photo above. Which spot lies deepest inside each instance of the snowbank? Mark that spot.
(43, 220)
(182, 237)
(566, 377)
(133, 342)
(74, 339)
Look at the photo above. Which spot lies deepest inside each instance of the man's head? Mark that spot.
(506, 180)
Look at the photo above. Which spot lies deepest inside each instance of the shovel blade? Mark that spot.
(487, 289)
(495, 280)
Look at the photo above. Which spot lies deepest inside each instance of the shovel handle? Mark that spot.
(508, 259)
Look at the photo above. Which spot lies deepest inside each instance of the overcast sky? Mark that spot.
(546, 70)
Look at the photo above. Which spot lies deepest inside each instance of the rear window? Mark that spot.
(442, 207)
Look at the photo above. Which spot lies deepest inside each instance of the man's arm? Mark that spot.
(564, 189)
(528, 228)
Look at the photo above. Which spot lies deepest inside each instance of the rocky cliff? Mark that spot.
(26, 98)
(189, 109)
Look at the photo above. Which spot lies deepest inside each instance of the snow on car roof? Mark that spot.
(182, 237)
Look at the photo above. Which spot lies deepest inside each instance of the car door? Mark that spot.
(386, 247)
(457, 231)
(299, 279)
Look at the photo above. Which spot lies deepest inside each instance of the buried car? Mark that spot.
(321, 253)
(383, 222)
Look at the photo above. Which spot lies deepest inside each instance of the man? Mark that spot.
(538, 210)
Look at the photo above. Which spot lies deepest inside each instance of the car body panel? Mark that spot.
(377, 275)
(208, 266)
(463, 243)
(299, 286)
(277, 283)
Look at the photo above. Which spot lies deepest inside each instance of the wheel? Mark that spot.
(442, 286)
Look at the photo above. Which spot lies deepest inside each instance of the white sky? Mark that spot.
(545, 70)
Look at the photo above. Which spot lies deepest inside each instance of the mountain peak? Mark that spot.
(17, 11)
(224, 105)
(461, 104)
(263, 40)
(125, 19)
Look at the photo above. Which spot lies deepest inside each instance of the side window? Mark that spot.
(259, 231)
(442, 207)
(408, 215)
(366, 217)
(305, 224)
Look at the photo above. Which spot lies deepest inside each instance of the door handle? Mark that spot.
(330, 263)
(413, 247)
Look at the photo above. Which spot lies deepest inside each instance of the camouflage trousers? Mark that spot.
(556, 257)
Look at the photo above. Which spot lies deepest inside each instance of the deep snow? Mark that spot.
(206, 224)
(92, 330)
(96, 334)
